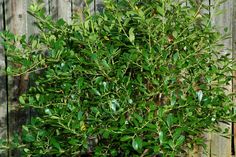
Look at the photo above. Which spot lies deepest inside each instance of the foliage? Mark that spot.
(142, 78)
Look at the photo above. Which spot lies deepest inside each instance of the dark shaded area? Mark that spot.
(232, 140)
(98, 6)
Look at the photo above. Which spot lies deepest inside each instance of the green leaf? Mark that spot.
(21, 100)
(80, 115)
(131, 35)
(34, 43)
(177, 133)
(137, 143)
(25, 128)
(26, 150)
(61, 22)
(37, 97)
(170, 119)
(48, 111)
(180, 140)
(114, 152)
(126, 138)
(175, 34)
(173, 100)
(73, 141)
(151, 126)
(114, 104)
(54, 142)
(29, 138)
(138, 117)
(130, 101)
(106, 134)
(160, 10)
(176, 56)
(105, 64)
(161, 137)
(96, 92)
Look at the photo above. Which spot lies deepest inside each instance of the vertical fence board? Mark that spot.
(220, 146)
(3, 93)
(98, 5)
(31, 28)
(46, 2)
(53, 10)
(78, 8)
(16, 15)
(234, 81)
(65, 10)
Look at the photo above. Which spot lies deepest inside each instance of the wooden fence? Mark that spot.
(14, 16)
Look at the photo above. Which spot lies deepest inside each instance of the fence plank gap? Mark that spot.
(78, 8)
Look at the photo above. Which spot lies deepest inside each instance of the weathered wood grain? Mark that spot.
(78, 8)
(221, 146)
(16, 17)
(65, 10)
(53, 8)
(32, 29)
(234, 81)
(46, 2)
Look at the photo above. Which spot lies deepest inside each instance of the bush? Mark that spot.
(142, 78)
